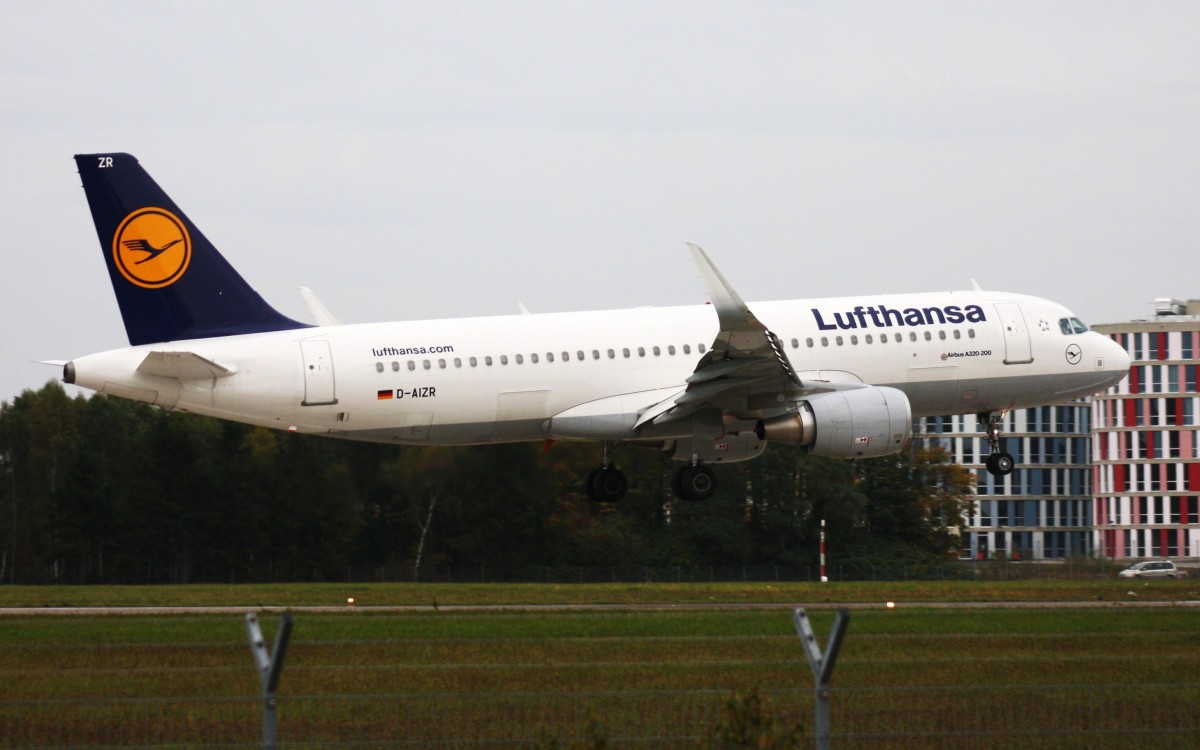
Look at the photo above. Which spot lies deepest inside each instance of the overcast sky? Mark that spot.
(428, 160)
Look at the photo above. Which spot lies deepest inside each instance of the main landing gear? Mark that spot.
(998, 463)
(607, 483)
(694, 482)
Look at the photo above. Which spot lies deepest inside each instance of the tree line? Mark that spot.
(103, 490)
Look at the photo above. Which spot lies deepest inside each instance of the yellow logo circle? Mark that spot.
(152, 248)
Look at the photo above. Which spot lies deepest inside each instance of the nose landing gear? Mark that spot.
(998, 463)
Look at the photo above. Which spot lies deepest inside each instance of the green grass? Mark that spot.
(363, 673)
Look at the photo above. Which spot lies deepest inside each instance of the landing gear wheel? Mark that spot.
(1000, 464)
(606, 485)
(694, 483)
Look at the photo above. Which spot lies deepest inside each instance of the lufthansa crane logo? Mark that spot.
(152, 248)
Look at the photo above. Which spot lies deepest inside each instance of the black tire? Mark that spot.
(695, 483)
(1000, 464)
(607, 485)
(589, 483)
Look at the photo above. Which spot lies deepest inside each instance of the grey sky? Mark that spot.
(422, 160)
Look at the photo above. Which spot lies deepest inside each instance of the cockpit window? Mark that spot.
(1071, 326)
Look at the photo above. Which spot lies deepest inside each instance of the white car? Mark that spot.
(1151, 569)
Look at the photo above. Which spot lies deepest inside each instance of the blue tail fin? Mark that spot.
(171, 283)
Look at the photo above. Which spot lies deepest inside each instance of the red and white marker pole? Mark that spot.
(824, 577)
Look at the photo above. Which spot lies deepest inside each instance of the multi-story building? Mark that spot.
(1146, 440)
(1043, 509)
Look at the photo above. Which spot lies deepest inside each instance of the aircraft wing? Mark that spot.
(746, 369)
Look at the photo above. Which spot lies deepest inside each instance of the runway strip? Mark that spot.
(459, 608)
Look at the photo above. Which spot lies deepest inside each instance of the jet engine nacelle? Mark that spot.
(850, 423)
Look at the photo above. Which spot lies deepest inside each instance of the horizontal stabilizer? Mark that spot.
(182, 366)
(320, 313)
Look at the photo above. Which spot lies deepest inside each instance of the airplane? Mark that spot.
(707, 384)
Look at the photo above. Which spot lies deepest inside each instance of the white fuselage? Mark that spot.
(505, 379)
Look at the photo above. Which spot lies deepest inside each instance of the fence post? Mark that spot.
(822, 666)
(269, 669)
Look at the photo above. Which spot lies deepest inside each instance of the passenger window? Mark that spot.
(657, 351)
(378, 367)
(701, 348)
(426, 364)
(595, 354)
(625, 352)
(868, 339)
(549, 357)
(928, 336)
(809, 342)
(457, 363)
(441, 364)
(687, 348)
(641, 351)
(854, 340)
(957, 334)
(824, 341)
(942, 335)
(970, 333)
(612, 354)
(671, 350)
(839, 340)
(900, 339)
(474, 362)
(795, 343)
(504, 359)
(411, 365)
(488, 360)
(578, 355)
(533, 358)
(395, 367)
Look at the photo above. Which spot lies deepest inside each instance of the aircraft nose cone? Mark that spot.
(1120, 357)
(1116, 359)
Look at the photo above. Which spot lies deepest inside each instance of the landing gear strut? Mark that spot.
(998, 463)
(606, 484)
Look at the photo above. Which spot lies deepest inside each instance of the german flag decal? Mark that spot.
(385, 395)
